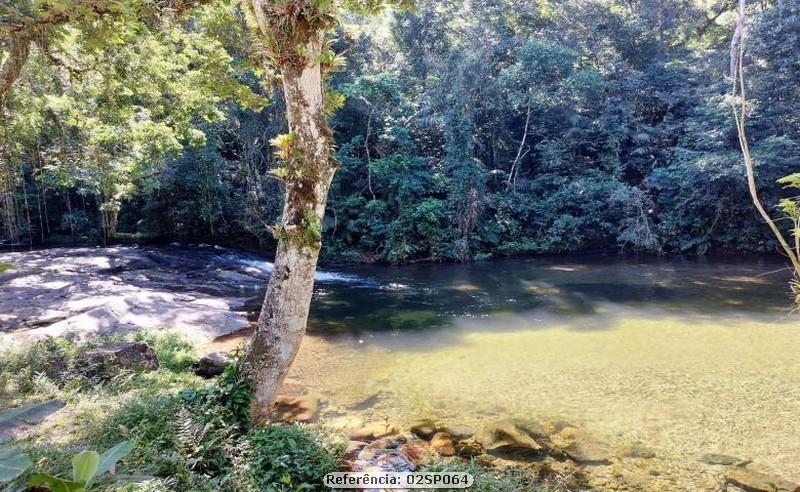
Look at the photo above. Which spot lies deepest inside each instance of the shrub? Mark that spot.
(284, 458)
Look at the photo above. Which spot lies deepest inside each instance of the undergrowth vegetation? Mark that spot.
(188, 434)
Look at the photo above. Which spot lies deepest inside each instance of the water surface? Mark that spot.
(686, 356)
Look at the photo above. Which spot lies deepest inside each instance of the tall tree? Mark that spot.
(294, 37)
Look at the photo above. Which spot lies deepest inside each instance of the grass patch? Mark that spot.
(189, 434)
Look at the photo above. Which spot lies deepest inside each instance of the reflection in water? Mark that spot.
(689, 357)
(431, 295)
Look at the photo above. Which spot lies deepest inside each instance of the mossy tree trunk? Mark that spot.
(307, 170)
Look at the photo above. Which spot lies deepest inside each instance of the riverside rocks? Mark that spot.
(126, 355)
(755, 481)
(553, 452)
(213, 364)
(443, 443)
(511, 440)
(371, 431)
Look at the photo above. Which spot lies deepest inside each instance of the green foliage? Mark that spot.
(462, 131)
(86, 466)
(13, 463)
(287, 458)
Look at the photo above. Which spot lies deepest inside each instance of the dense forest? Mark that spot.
(463, 130)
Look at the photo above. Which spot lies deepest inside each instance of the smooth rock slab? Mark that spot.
(15, 421)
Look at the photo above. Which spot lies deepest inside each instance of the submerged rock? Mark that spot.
(755, 481)
(581, 447)
(443, 443)
(302, 409)
(509, 439)
(721, 459)
(125, 355)
(371, 431)
(635, 451)
(424, 428)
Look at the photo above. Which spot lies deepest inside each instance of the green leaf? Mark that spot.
(13, 463)
(109, 459)
(56, 484)
(84, 466)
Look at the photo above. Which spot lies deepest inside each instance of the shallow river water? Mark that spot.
(686, 356)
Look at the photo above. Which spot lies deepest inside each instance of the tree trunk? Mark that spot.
(308, 171)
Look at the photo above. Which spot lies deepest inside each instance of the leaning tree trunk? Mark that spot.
(307, 172)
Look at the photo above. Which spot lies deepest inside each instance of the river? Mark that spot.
(686, 356)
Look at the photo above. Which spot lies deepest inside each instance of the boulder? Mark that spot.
(213, 364)
(352, 450)
(391, 454)
(423, 428)
(581, 447)
(417, 451)
(303, 409)
(511, 440)
(134, 356)
(459, 432)
(443, 443)
(755, 481)
(468, 448)
(371, 431)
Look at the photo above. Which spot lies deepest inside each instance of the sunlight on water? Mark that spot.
(685, 357)
(683, 386)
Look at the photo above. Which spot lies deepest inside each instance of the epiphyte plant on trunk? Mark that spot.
(293, 38)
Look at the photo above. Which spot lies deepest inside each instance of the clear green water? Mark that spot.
(688, 357)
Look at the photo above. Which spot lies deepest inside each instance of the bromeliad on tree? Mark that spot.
(293, 38)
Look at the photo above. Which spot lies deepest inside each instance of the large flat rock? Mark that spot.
(86, 292)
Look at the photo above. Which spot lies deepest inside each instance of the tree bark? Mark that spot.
(308, 173)
(11, 69)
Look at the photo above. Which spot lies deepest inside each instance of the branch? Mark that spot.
(739, 115)
(19, 49)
